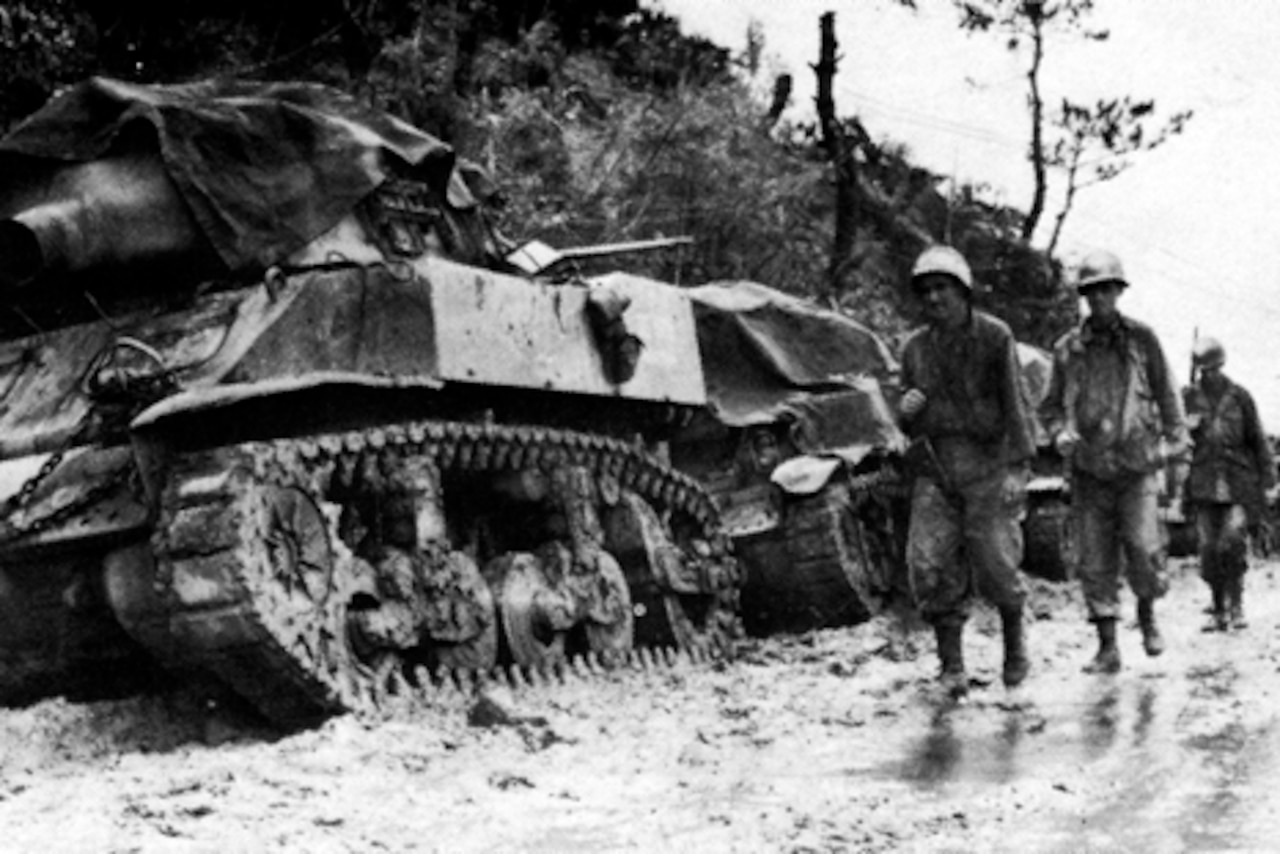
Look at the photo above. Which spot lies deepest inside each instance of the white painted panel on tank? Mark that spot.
(503, 330)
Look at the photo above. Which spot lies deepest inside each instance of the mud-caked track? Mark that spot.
(304, 571)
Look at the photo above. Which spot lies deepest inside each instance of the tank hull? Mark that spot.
(133, 474)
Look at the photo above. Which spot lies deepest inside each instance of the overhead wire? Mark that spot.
(985, 135)
(1238, 289)
(933, 122)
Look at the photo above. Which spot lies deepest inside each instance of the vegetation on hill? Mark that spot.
(597, 121)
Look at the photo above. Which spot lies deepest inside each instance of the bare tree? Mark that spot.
(1095, 143)
(840, 151)
(1114, 128)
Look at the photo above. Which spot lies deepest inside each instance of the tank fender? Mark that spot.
(214, 398)
(150, 427)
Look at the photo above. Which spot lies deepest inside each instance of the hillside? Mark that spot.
(594, 123)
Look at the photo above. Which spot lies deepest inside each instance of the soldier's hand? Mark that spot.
(1066, 442)
(911, 403)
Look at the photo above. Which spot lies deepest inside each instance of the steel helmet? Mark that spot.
(945, 261)
(1099, 267)
(1209, 353)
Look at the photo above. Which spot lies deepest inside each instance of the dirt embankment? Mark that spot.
(831, 741)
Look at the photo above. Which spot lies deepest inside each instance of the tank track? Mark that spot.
(398, 697)
(1049, 543)
(219, 604)
(832, 561)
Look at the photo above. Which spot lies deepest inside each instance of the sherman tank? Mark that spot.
(281, 410)
(801, 450)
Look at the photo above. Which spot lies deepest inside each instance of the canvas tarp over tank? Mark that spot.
(263, 167)
(770, 356)
(1037, 369)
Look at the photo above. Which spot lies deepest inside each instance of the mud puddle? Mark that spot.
(1175, 753)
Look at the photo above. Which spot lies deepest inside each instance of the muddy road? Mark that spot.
(832, 741)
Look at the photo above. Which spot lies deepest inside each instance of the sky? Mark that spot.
(1193, 221)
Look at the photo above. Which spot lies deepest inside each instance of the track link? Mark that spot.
(397, 694)
(253, 579)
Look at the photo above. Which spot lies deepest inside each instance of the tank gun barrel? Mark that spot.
(21, 255)
(536, 257)
(604, 249)
(103, 213)
(53, 237)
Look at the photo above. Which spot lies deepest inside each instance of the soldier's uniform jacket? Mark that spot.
(1231, 460)
(973, 383)
(1112, 386)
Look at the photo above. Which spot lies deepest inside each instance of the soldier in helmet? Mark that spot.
(1231, 470)
(1116, 417)
(964, 407)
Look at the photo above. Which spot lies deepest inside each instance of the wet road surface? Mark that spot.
(1175, 753)
(830, 742)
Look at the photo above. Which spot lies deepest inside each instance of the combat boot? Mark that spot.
(1152, 641)
(1217, 611)
(953, 678)
(1108, 658)
(1235, 602)
(1016, 663)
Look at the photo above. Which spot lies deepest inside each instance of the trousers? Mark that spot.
(964, 542)
(1117, 530)
(1222, 530)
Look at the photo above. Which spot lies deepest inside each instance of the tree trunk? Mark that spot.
(841, 153)
(781, 97)
(1073, 170)
(1037, 130)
